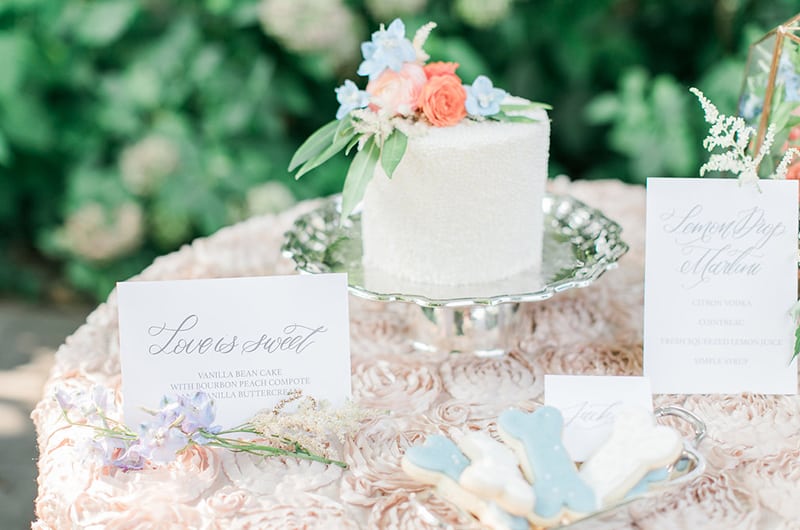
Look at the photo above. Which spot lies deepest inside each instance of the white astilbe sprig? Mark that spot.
(368, 123)
(313, 425)
(788, 158)
(410, 127)
(733, 135)
(419, 41)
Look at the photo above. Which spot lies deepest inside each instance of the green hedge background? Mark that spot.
(130, 127)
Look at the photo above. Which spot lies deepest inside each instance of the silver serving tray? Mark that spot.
(580, 244)
(688, 467)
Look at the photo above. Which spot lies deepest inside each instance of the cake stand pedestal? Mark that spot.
(579, 245)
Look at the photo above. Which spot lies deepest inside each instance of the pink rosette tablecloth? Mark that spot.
(752, 448)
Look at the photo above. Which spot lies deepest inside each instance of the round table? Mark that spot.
(752, 447)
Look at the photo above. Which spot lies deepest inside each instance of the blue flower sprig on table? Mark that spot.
(185, 421)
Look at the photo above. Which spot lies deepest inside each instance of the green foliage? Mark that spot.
(392, 152)
(796, 350)
(359, 175)
(315, 145)
(127, 128)
(130, 127)
(651, 125)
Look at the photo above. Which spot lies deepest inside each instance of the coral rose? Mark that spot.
(793, 173)
(396, 93)
(440, 68)
(442, 100)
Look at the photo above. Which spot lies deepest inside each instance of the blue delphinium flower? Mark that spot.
(65, 400)
(790, 78)
(108, 448)
(792, 87)
(389, 48)
(118, 452)
(199, 414)
(102, 398)
(161, 442)
(482, 98)
(750, 106)
(193, 416)
(350, 97)
(131, 459)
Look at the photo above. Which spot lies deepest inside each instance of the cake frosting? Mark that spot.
(463, 206)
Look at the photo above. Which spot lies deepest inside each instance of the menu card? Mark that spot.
(720, 278)
(245, 341)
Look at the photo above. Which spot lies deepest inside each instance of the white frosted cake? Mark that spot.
(464, 205)
(451, 175)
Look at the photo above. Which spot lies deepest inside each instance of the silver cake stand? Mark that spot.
(580, 244)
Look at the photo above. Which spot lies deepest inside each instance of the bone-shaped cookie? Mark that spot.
(652, 477)
(494, 474)
(536, 439)
(440, 463)
(636, 445)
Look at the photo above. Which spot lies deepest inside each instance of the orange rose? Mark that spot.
(442, 100)
(440, 68)
(793, 173)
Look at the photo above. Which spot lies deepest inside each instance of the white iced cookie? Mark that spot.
(494, 474)
(440, 463)
(636, 446)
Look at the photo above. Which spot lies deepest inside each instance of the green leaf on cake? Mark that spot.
(344, 124)
(796, 343)
(340, 140)
(358, 176)
(315, 144)
(352, 144)
(516, 107)
(393, 150)
(513, 118)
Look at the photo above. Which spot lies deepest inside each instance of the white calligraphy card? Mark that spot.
(247, 342)
(720, 278)
(589, 405)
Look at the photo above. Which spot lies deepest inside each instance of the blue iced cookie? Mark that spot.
(437, 456)
(536, 438)
(440, 463)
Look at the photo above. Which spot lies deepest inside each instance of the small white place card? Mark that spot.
(247, 342)
(589, 405)
(720, 278)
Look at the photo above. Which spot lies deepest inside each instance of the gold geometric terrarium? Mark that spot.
(771, 89)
